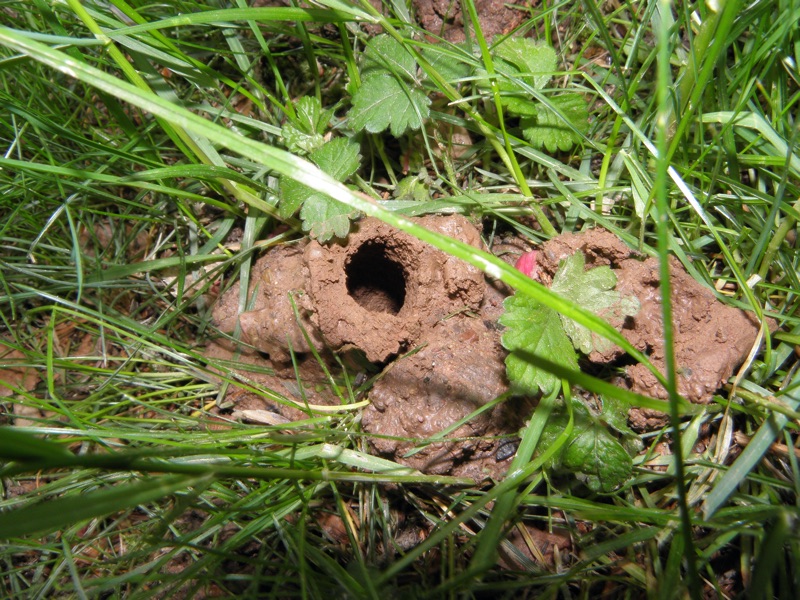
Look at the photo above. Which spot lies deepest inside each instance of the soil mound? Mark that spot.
(430, 322)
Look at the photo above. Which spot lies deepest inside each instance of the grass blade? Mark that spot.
(662, 225)
(752, 454)
(62, 512)
(18, 445)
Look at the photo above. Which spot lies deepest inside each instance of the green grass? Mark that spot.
(134, 144)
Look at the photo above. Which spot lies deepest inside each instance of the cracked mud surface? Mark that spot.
(430, 322)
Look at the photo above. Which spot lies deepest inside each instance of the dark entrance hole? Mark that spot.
(375, 281)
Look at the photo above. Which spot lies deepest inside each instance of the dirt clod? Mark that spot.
(271, 325)
(459, 370)
(711, 338)
(430, 321)
(382, 290)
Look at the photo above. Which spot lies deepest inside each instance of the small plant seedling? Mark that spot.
(323, 217)
(535, 329)
(412, 188)
(390, 95)
(306, 132)
(593, 452)
(551, 129)
(524, 63)
(528, 65)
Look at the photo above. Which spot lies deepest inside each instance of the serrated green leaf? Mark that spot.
(598, 459)
(548, 130)
(593, 290)
(520, 105)
(615, 414)
(340, 159)
(533, 328)
(326, 218)
(389, 96)
(411, 188)
(520, 59)
(593, 454)
(299, 142)
(304, 133)
(383, 101)
(293, 194)
(534, 62)
(448, 63)
(311, 117)
(385, 54)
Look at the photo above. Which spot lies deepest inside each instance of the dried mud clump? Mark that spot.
(382, 290)
(459, 370)
(271, 326)
(384, 293)
(711, 338)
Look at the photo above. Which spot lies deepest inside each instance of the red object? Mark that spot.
(526, 264)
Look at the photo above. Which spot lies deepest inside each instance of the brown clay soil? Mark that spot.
(445, 19)
(429, 322)
(711, 338)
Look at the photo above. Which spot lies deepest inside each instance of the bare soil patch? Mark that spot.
(497, 17)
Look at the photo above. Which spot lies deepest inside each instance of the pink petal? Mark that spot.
(526, 264)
